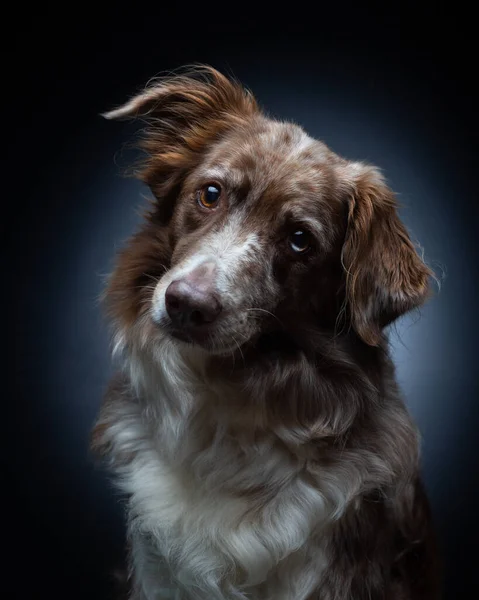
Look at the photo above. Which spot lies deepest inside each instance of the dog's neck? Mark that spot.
(273, 386)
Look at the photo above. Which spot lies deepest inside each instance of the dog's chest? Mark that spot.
(229, 513)
(198, 474)
(223, 517)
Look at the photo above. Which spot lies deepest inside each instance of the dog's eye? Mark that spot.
(209, 196)
(299, 241)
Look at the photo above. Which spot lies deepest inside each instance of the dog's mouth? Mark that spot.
(207, 342)
(200, 336)
(223, 337)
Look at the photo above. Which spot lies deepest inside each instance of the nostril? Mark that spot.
(197, 318)
(175, 299)
(173, 303)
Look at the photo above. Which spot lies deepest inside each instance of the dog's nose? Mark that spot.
(192, 301)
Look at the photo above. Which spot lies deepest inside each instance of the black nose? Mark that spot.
(190, 302)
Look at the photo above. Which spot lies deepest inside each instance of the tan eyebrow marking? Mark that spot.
(313, 224)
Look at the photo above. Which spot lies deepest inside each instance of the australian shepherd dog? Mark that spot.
(255, 425)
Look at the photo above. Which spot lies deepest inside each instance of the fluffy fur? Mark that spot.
(270, 457)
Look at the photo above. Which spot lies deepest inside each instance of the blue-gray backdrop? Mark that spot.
(392, 88)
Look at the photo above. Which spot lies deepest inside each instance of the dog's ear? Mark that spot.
(183, 114)
(385, 277)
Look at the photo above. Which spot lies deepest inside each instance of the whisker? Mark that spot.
(239, 348)
(145, 287)
(265, 311)
(234, 360)
(154, 278)
(144, 301)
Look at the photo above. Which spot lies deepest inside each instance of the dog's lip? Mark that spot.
(201, 336)
(192, 335)
(196, 336)
(201, 340)
(181, 335)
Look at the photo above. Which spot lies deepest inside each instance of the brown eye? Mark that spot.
(299, 241)
(209, 196)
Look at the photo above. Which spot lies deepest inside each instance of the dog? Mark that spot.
(255, 425)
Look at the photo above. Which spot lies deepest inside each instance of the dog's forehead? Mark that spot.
(271, 153)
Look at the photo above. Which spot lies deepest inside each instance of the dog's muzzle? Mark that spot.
(192, 302)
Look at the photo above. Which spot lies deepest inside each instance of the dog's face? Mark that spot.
(256, 226)
(251, 226)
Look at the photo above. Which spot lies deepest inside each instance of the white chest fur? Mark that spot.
(228, 520)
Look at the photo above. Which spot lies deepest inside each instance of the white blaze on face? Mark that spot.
(227, 251)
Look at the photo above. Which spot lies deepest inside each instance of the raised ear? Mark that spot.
(385, 277)
(183, 114)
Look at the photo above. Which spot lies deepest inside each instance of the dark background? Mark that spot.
(394, 87)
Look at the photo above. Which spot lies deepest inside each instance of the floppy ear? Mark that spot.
(385, 277)
(183, 114)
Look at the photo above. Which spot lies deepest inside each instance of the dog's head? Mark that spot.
(255, 226)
